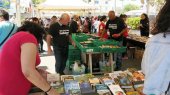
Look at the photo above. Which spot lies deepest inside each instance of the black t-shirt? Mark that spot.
(60, 34)
(115, 26)
(145, 25)
(73, 27)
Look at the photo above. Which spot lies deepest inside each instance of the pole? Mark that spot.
(115, 6)
(18, 14)
(147, 6)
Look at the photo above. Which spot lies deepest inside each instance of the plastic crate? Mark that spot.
(88, 48)
(117, 50)
(74, 51)
(73, 58)
(107, 42)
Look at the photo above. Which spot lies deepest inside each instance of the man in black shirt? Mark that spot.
(61, 35)
(116, 27)
(74, 28)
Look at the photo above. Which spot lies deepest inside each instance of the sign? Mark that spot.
(5, 4)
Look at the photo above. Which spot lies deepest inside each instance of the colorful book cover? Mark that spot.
(138, 77)
(115, 74)
(132, 93)
(81, 78)
(71, 87)
(102, 89)
(125, 82)
(59, 89)
(67, 78)
(86, 87)
(116, 90)
(94, 81)
(139, 88)
(88, 76)
(107, 80)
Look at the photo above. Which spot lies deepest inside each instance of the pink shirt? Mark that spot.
(12, 80)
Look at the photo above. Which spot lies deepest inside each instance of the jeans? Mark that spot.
(61, 55)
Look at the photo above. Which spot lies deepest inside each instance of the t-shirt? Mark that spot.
(101, 27)
(156, 64)
(73, 27)
(145, 25)
(5, 28)
(115, 26)
(60, 34)
(12, 80)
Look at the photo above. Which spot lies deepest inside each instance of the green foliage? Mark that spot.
(130, 7)
(133, 22)
(38, 1)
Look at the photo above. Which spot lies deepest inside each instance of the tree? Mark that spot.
(37, 1)
(130, 7)
(157, 3)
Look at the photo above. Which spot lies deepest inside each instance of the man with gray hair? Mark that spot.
(61, 35)
(6, 28)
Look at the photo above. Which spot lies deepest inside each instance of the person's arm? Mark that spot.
(102, 30)
(71, 40)
(28, 59)
(123, 27)
(48, 38)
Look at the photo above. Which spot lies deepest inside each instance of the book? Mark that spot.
(67, 78)
(94, 81)
(81, 78)
(115, 74)
(59, 89)
(139, 88)
(138, 77)
(91, 93)
(102, 89)
(88, 76)
(85, 87)
(107, 80)
(124, 82)
(72, 87)
(116, 90)
(132, 93)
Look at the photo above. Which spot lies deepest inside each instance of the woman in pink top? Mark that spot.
(18, 61)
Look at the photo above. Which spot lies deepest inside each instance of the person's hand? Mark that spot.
(53, 92)
(74, 44)
(116, 35)
(49, 52)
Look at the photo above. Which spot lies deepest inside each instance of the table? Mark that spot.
(96, 49)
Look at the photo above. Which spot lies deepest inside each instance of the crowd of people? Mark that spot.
(19, 47)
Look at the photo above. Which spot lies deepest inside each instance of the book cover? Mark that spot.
(67, 78)
(107, 80)
(88, 76)
(86, 87)
(102, 89)
(139, 88)
(81, 78)
(125, 82)
(115, 74)
(116, 90)
(94, 81)
(132, 93)
(71, 87)
(138, 77)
